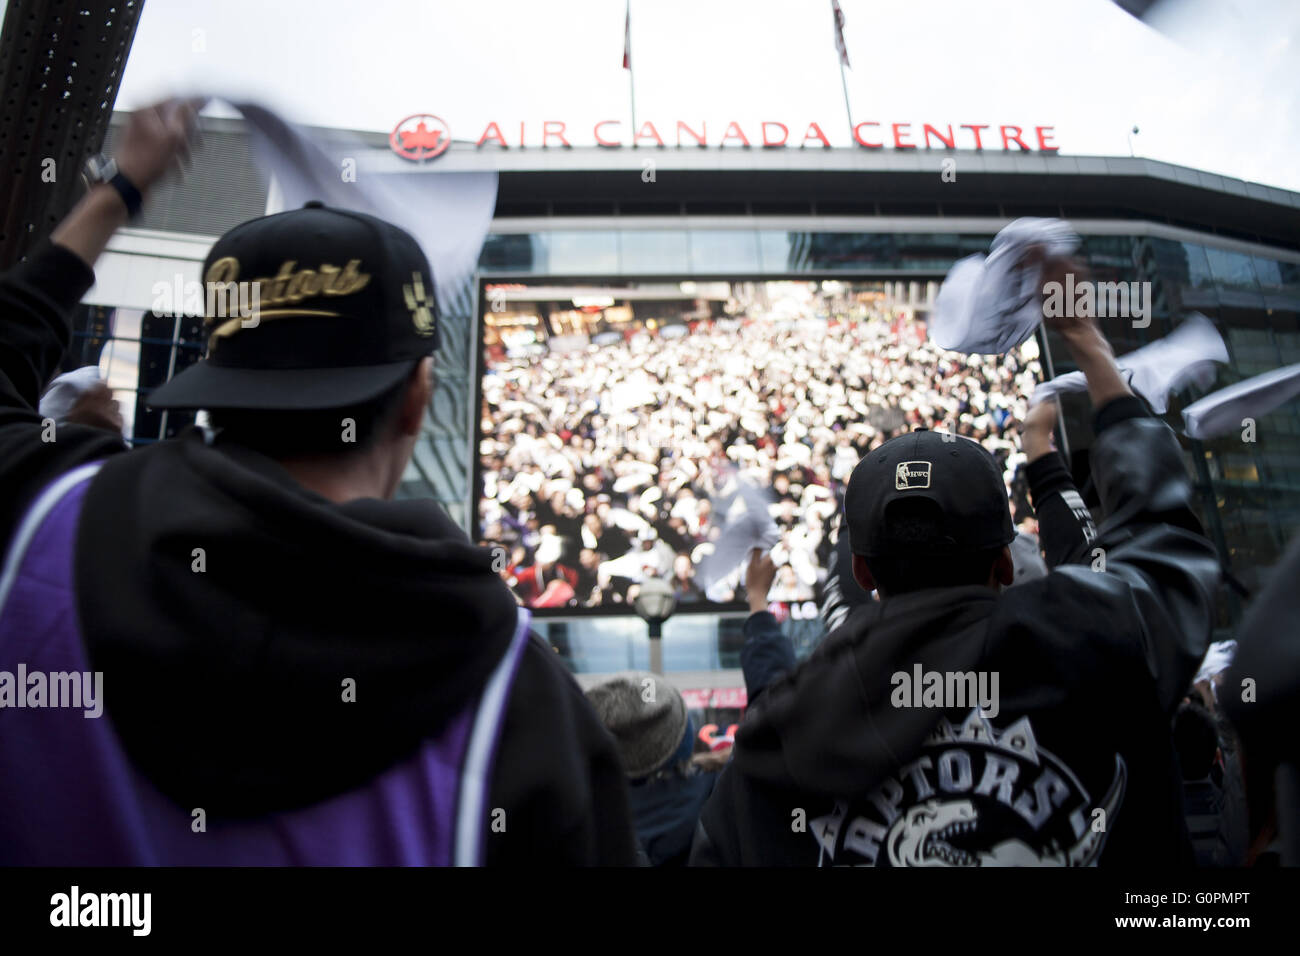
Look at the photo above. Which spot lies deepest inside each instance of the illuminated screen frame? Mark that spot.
(478, 346)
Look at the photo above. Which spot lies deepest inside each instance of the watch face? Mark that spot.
(99, 169)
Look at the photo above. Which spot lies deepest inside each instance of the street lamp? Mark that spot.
(655, 602)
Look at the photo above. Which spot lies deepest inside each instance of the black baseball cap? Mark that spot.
(956, 475)
(330, 308)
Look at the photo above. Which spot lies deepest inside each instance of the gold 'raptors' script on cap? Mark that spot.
(287, 287)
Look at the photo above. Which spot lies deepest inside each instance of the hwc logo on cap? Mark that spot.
(912, 474)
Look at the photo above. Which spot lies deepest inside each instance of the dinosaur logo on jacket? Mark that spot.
(975, 796)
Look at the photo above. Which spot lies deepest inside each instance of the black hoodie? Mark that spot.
(229, 604)
(1073, 766)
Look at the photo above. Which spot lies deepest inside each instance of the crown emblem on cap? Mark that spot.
(419, 303)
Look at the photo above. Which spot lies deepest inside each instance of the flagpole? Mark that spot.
(847, 112)
(841, 48)
(631, 94)
(627, 53)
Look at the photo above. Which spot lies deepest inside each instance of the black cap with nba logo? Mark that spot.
(327, 308)
(957, 476)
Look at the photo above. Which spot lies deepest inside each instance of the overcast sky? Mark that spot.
(1223, 96)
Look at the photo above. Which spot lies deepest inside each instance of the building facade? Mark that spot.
(1205, 243)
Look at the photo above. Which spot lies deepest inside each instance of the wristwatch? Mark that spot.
(101, 169)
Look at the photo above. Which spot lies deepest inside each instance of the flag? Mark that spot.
(627, 38)
(839, 33)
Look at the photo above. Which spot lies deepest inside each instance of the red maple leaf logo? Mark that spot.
(421, 137)
(430, 137)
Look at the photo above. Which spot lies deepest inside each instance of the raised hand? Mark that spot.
(156, 139)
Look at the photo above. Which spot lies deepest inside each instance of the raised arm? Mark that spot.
(767, 654)
(1065, 526)
(155, 140)
(1151, 567)
(38, 295)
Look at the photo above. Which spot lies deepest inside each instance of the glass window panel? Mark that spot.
(690, 643)
(1232, 270)
(1113, 252)
(1253, 346)
(779, 252)
(724, 250)
(1280, 282)
(1268, 272)
(514, 252)
(1198, 265)
(969, 245)
(654, 251)
(928, 251)
(833, 251)
(1290, 273)
(582, 253)
(1288, 344)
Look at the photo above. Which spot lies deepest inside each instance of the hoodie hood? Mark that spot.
(264, 648)
(829, 727)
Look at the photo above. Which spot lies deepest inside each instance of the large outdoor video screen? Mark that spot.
(618, 421)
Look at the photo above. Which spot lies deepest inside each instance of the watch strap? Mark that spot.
(130, 195)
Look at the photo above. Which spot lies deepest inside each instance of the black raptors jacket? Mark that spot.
(1076, 765)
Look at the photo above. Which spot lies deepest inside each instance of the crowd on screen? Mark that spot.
(601, 465)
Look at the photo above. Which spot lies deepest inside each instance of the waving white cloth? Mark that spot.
(66, 389)
(747, 524)
(988, 306)
(1224, 410)
(1217, 659)
(448, 214)
(1185, 356)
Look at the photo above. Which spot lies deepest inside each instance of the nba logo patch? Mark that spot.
(912, 474)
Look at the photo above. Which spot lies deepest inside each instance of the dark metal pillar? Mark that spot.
(61, 63)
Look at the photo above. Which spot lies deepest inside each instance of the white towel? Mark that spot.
(66, 389)
(1217, 658)
(1185, 356)
(988, 306)
(741, 533)
(448, 214)
(1224, 410)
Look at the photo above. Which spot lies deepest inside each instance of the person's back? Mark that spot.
(324, 684)
(958, 725)
(281, 665)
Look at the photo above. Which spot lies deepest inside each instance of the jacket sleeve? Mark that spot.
(36, 298)
(1268, 654)
(1065, 525)
(703, 852)
(716, 832)
(558, 778)
(841, 593)
(1156, 573)
(766, 654)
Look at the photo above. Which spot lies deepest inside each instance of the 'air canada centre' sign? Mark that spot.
(429, 137)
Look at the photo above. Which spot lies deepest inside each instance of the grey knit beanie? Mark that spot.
(646, 715)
